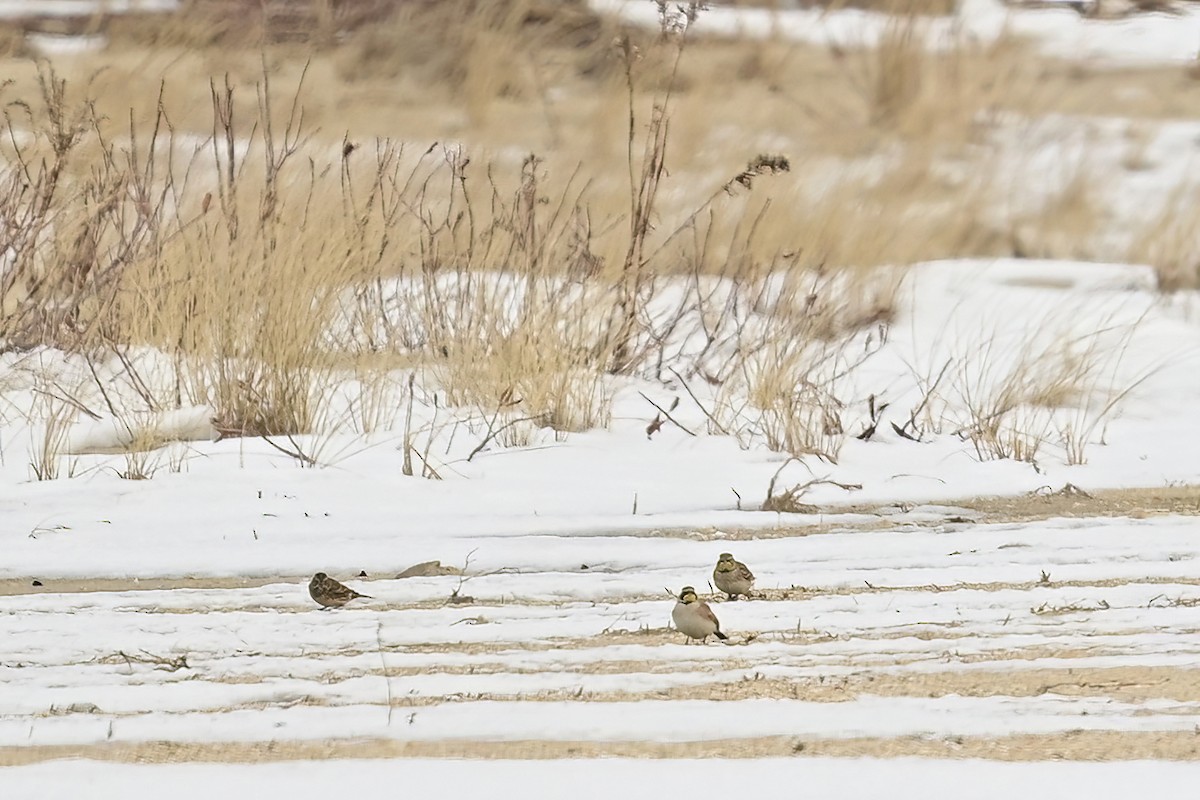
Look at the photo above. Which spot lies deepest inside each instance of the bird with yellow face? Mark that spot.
(693, 618)
(733, 577)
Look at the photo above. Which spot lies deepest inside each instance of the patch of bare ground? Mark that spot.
(1042, 504)
(1048, 503)
(662, 636)
(1124, 683)
(801, 593)
(1072, 745)
(20, 586)
(1127, 684)
(17, 586)
(1132, 503)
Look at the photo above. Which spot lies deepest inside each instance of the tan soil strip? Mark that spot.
(803, 593)
(12, 587)
(16, 586)
(1122, 683)
(1127, 684)
(660, 636)
(1133, 503)
(1075, 745)
(1110, 503)
(738, 639)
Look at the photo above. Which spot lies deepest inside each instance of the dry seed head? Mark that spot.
(760, 165)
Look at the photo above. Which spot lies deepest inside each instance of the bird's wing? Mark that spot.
(341, 589)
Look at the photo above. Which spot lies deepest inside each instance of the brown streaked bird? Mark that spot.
(733, 577)
(693, 618)
(329, 593)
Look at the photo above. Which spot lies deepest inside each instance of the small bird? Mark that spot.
(329, 593)
(693, 618)
(733, 577)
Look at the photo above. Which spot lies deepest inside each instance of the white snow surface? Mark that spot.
(846, 779)
(1062, 32)
(547, 650)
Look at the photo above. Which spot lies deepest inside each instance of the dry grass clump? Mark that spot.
(507, 308)
(13, 43)
(1067, 226)
(475, 49)
(853, 97)
(1169, 241)
(777, 362)
(480, 46)
(792, 405)
(906, 207)
(298, 284)
(263, 263)
(1019, 400)
(254, 258)
(942, 94)
(197, 25)
(235, 24)
(507, 71)
(551, 63)
(533, 377)
(265, 267)
(116, 245)
(51, 253)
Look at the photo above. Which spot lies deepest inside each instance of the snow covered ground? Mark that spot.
(1062, 32)
(893, 623)
(900, 628)
(241, 507)
(940, 633)
(847, 779)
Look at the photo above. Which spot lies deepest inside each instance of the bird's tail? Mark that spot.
(720, 635)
